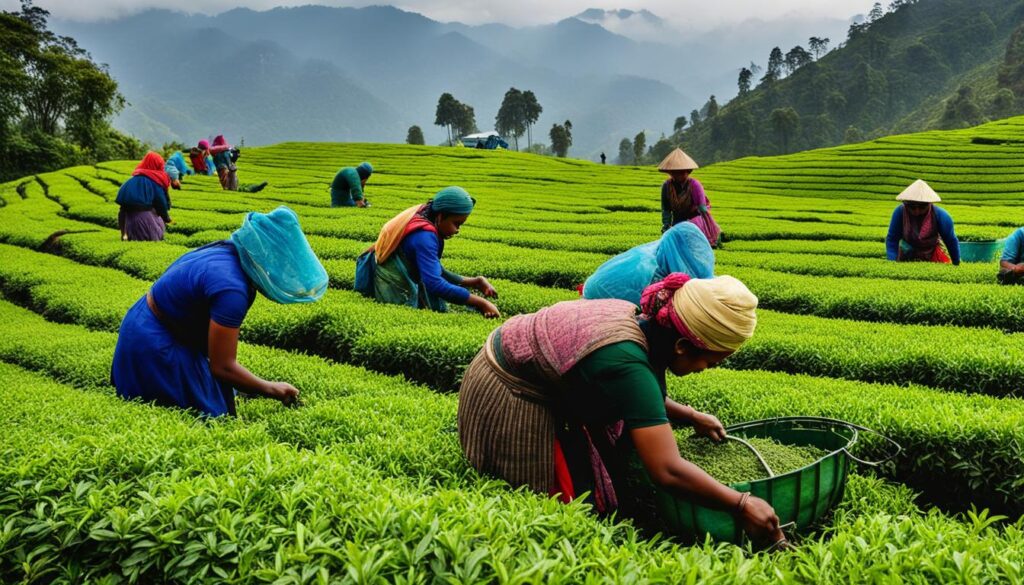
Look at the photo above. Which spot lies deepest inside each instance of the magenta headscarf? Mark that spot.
(656, 305)
(204, 144)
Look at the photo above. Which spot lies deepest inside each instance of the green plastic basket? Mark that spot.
(981, 251)
(800, 497)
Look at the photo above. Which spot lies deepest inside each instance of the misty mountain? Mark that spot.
(347, 74)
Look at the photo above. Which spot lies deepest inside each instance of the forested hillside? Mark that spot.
(920, 65)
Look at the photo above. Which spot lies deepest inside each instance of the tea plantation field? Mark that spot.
(366, 482)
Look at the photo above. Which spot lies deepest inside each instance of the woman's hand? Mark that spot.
(282, 391)
(481, 284)
(706, 425)
(486, 308)
(758, 519)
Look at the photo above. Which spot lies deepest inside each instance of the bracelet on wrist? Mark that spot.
(742, 503)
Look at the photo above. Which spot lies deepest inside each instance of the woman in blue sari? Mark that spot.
(177, 345)
(683, 248)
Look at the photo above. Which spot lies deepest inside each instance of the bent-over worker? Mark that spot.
(917, 225)
(177, 345)
(555, 399)
(144, 201)
(1011, 263)
(683, 248)
(404, 266)
(348, 184)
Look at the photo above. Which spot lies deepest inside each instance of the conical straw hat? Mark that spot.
(920, 192)
(677, 160)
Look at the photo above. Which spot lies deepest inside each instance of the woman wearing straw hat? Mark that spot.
(683, 197)
(177, 345)
(556, 399)
(917, 225)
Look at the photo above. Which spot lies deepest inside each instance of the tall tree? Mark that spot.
(775, 62)
(511, 118)
(710, 108)
(819, 46)
(744, 80)
(695, 119)
(680, 124)
(532, 112)
(465, 121)
(639, 147)
(796, 58)
(785, 122)
(448, 112)
(415, 136)
(625, 151)
(561, 138)
(876, 12)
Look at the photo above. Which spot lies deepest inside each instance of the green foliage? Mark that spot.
(561, 138)
(1011, 72)
(415, 136)
(889, 76)
(55, 102)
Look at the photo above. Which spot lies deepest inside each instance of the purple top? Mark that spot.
(698, 203)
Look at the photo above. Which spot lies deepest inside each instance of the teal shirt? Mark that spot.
(616, 382)
(346, 188)
(1013, 252)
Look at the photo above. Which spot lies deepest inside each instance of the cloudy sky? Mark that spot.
(685, 13)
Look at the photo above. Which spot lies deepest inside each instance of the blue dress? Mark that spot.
(172, 368)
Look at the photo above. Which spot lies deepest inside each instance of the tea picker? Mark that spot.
(550, 398)
(918, 225)
(348, 184)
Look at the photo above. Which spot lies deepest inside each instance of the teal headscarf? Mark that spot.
(276, 256)
(364, 170)
(453, 201)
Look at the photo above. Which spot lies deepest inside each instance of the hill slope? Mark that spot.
(898, 73)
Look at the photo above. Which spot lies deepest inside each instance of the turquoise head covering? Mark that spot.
(365, 170)
(453, 201)
(276, 256)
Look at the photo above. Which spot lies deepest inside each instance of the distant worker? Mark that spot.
(404, 266)
(683, 248)
(177, 345)
(202, 160)
(177, 169)
(917, 225)
(557, 400)
(144, 201)
(224, 158)
(348, 185)
(603, 158)
(1011, 264)
(683, 198)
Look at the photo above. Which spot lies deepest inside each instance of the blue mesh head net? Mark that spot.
(683, 248)
(276, 256)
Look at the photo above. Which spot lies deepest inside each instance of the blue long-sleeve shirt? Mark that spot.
(946, 233)
(423, 249)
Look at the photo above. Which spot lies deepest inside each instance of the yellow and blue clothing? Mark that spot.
(422, 250)
(166, 361)
(945, 228)
(346, 188)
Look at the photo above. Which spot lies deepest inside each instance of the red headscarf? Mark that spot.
(152, 166)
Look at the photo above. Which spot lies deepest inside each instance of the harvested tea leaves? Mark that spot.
(732, 462)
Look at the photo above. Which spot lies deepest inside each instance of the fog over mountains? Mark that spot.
(367, 74)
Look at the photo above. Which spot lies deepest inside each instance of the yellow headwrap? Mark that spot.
(719, 311)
